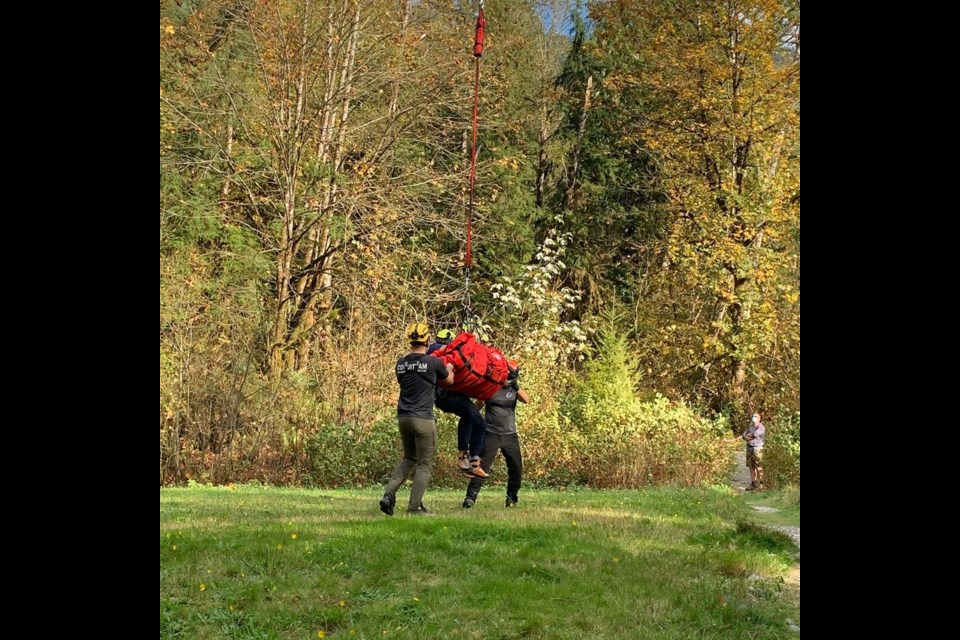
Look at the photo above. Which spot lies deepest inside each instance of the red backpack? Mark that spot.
(479, 370)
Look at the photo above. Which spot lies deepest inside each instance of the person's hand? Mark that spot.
(513, 377)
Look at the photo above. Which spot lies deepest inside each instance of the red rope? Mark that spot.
(477, 53)
(473, 165)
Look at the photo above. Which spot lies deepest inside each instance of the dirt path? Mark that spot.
(740, 480)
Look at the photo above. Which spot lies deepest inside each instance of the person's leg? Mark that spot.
(752, 464)
(510, 445)
(454, 403)
(478, 430)
(758, 459)
(464, 427)
(425, 435)
(470, 433)
(460, 405)
(490, 447)
(403, 468)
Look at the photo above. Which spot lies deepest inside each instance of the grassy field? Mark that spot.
(786, 502)
(255, 562)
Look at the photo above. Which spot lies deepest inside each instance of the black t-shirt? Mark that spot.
(501, 412)
(417, 374)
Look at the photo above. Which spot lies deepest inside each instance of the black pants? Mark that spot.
(510, 446)
(472, 426)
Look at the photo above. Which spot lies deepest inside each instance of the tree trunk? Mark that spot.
(578, 147)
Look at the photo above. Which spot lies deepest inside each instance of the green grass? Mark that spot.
(786, 500)
(254, 562)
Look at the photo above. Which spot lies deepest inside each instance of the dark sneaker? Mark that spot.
(387, 502)
(421, 512)
(468, 503)
(424, 508)
(509, 502)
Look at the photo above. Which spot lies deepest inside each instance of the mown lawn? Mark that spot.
(255, 562)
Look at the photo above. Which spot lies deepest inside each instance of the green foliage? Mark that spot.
(533, 309)
(623, 441)
(640, 443)
(344, 455)
(688, 204)
(611, 376)
(781, 451)
(314, 161)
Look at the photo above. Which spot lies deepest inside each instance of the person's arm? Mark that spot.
(449, 379)
(444, 372)
(523, 396)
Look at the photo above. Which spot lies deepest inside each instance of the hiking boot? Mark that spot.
(463, 461)
(476, 470)
(421, 512)
(468, 503)
(423, 508)
(387, 502)
(510, 502)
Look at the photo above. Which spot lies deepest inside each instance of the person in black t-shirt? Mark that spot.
(501, 420)
(417, 375)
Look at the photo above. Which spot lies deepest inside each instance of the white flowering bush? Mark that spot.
(532, 307)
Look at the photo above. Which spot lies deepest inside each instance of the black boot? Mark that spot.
(387, 502)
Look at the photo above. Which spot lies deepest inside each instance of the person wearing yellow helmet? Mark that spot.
(445, 336)
(417, 374)
(471, 429)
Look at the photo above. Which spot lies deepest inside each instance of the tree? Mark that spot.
(710, 90)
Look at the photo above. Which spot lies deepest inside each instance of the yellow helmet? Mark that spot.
(418, 333)
(446, 334)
